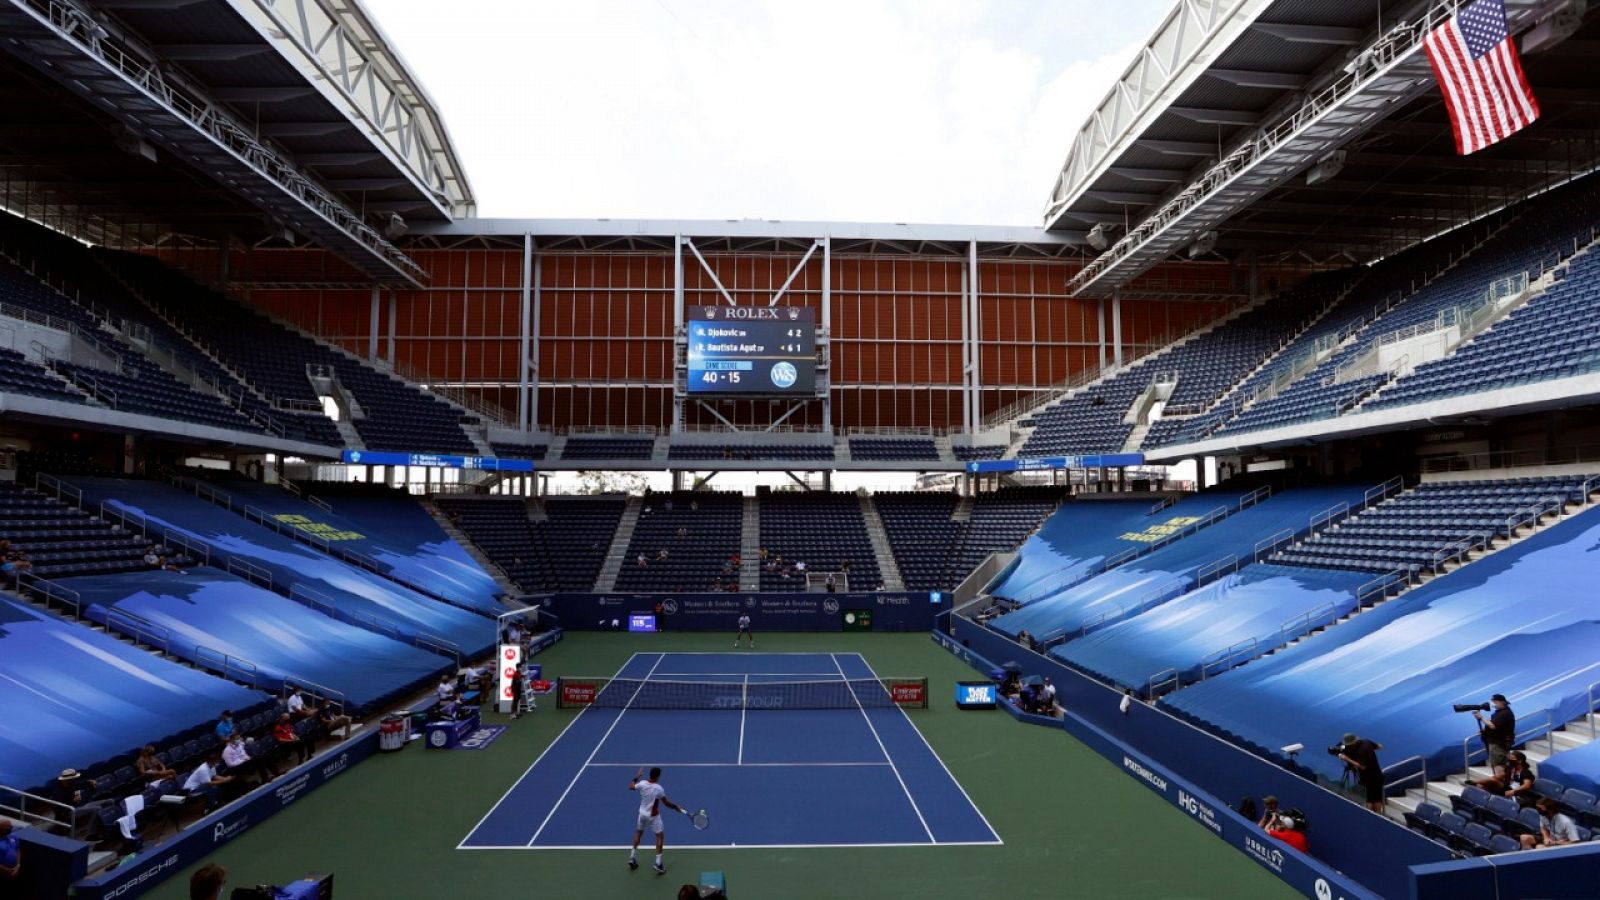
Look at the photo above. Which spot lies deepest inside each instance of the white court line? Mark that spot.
(744, 706)
(714, 765)
(596, 750)
(676, 676)
(682, 847)
(892, 766)
(952, 776)
(542, 753)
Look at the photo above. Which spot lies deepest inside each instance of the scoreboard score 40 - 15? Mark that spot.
(768, 350)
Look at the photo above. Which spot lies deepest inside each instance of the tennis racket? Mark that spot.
(699, 820)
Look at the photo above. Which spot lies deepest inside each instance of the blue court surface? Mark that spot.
(856, 777)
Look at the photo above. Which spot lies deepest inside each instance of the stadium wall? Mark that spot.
(605, 352)
(1367, 847)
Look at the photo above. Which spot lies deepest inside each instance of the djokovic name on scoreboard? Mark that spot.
(768, 350)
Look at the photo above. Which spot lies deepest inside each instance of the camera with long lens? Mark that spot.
(1472, 707)
(1336, 749)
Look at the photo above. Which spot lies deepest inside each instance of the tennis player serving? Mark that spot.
(744, 631)
(652, 796)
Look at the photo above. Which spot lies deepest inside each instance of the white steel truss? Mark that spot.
(1383, 77)
(1182, 48)
(341, 49)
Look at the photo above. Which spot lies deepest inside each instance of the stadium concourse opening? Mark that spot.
(345, 531)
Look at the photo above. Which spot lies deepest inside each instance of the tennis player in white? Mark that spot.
(744, 631)
(652, 796)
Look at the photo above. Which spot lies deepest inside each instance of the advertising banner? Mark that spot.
(887, 611)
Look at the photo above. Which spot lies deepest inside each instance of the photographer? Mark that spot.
(1361, 756)
(1499, 731)
(1290, 828)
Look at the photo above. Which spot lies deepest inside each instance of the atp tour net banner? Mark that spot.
(766, 350)
(435, 461)
(1102, 461)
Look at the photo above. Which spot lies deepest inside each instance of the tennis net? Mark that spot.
(635, 693)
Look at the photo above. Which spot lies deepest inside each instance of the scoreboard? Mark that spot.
(768, 350)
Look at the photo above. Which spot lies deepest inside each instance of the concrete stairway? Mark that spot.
(887, 566)
(616, 556)
(750, 546)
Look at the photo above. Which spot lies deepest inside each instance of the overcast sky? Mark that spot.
(945, 111)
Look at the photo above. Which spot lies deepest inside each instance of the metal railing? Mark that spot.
(41, 812)
(1383, 491)
(250, 572)
(233, 668)
(1393, 581)
(58, 489)
(1296, 627)
(1223, 660)
(1329, 516)
(1256, 496)
(50, 591)
(1422, 773)
(323, 694)
(423, 380)
(140, 629)
(1272, 544)
(1215, 569)
(1523, 738)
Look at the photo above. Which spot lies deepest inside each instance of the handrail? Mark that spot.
(1258, 495)
(1382, 584)
(250, 572)
(1216, 514)
(1522, 737)
(59, 488)
(1226, 656)
(1422, 761)
(317, 691)
(59, 813)
(51, 591)
(1161, 679)
(320, 602)
(1272, 543)
(1296, 626)
(1161, 504)
(142, 630)
(1216, 569)
(439, 645)
(206, 492)
(1328, 516)
(1381, 492)
(319, 503)
(236, 668)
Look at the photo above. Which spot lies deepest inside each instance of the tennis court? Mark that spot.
(781, 750)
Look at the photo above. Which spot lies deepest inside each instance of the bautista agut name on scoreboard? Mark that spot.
(752, 349)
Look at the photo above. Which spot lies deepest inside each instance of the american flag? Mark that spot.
(1476, 63)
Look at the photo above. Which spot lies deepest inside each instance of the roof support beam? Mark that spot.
(210, 52)
(1310, 34)
(263, 94)
(1208, 116)
(1287, 81)
(1177, 148)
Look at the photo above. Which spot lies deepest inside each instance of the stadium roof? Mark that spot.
(732, 235)
(266, 118)
(1229, 103)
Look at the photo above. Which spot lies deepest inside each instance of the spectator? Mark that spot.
(150, 768)
(238, 762)
(69, 789)
(683, 532)
(224, 729)
(10, 861)
(1049, 691)
(763, 554)
(207, 883)
(297, 705)
(1290, 830)
(667, 506)
(1025, 639)
(661, 554)
(844, 566)
(1269, 813)
(155, 560)
(446, 689)
(15, 564)
(288, 741)
(828, 583)
(1556, 828)
(1514, 779)
(800, 566)
(643, 563)
(329, 721)
(1499, 731)
(1362, 756)
(205, 780)
(694, 505)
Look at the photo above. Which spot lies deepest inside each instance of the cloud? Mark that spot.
(871, 110)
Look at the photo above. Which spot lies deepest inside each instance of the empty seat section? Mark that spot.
(731, 452)
(224, 624)
(922, 534)
(386, 527)
(892, 449)
(1420, 528)
(76, 698)
(1510, 623)
(501, 529)
(514, 450)
(1173, 570)
(61, 540)
(338, 589)
(824, 531)
(608, 448)
(1212, 629)
(700, 532)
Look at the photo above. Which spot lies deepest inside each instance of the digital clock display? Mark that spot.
(769, 350)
